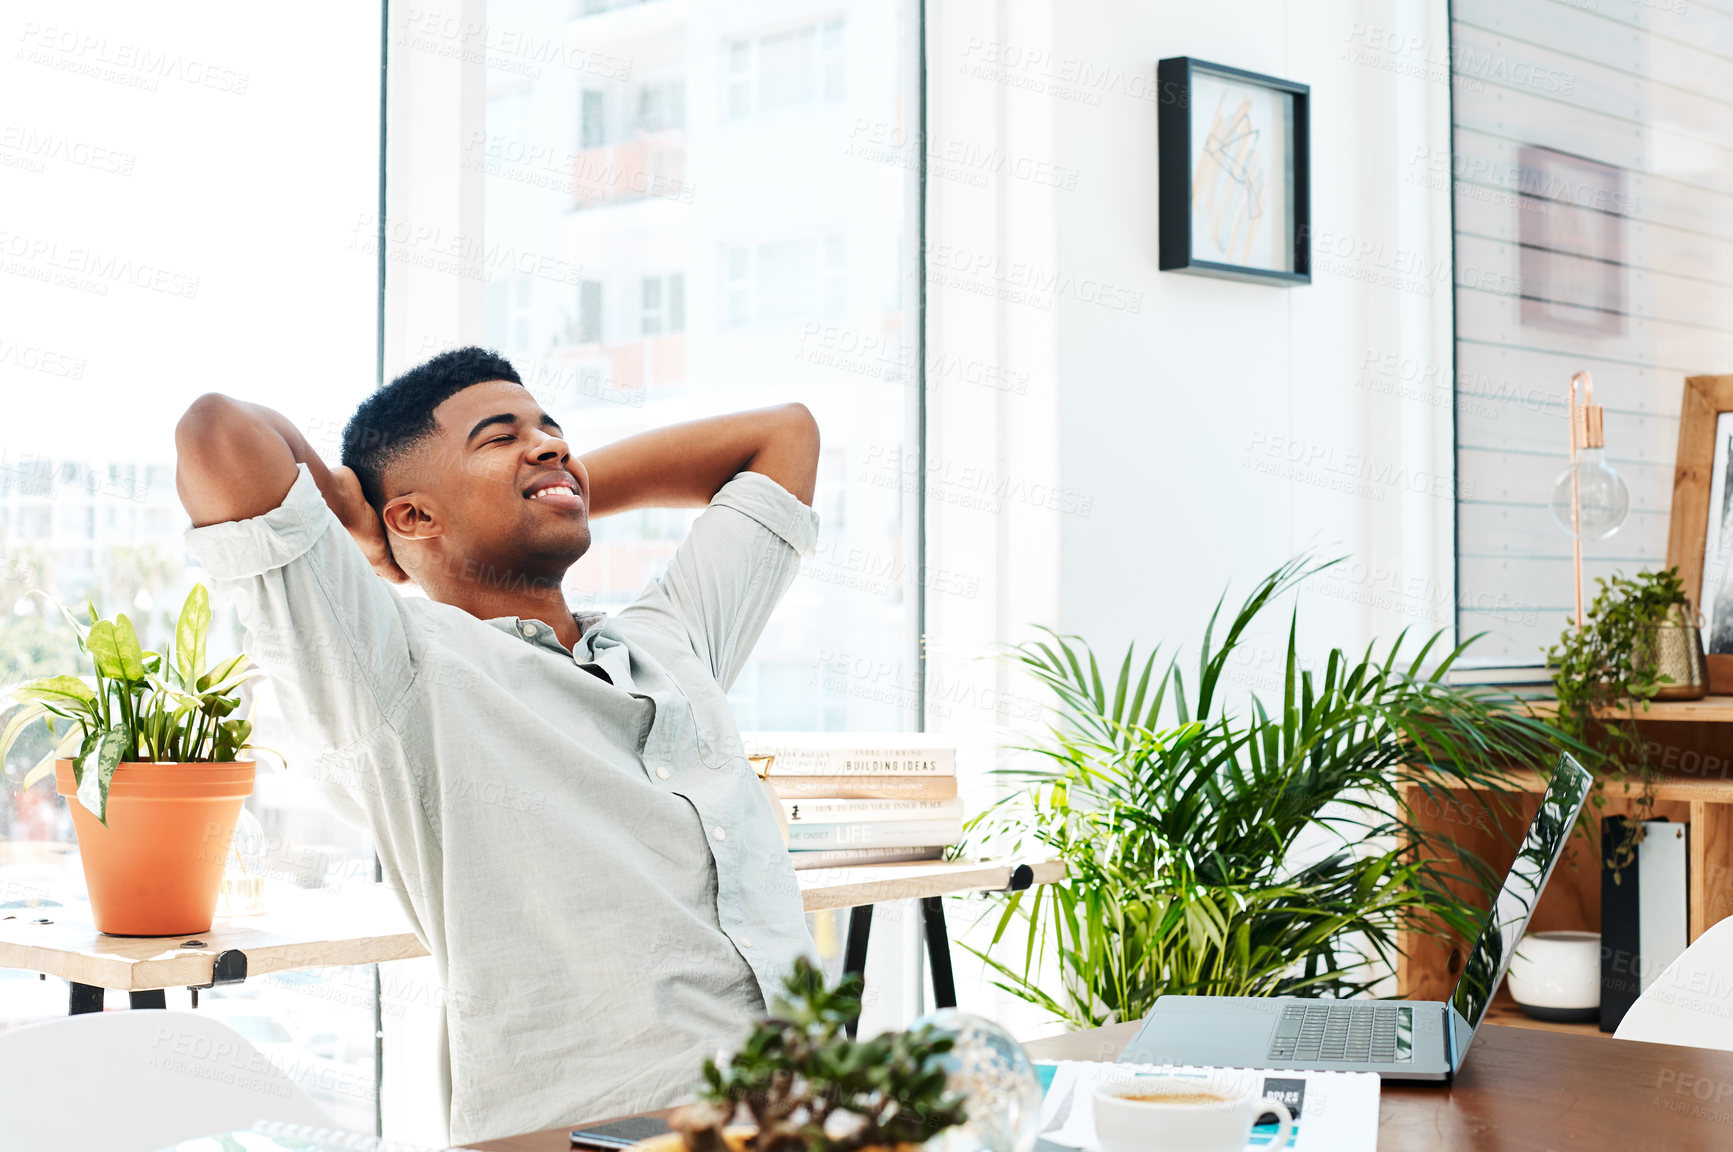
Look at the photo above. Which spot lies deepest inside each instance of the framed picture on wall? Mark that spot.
(1571, 251)
(1700, 530)
(1235, 173)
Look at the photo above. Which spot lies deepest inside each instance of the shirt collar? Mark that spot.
(538, 633)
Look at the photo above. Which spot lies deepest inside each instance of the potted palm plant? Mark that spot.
(146, 751)
(1178, 809)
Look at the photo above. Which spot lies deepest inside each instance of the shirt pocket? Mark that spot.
(718, 736)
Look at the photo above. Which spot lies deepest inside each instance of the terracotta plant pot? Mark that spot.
(158, 866)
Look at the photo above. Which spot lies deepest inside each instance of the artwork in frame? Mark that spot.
(1700, 529)
(1235, 173)
(1571, 261)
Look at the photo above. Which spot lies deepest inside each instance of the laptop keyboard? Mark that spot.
(1357, 1032)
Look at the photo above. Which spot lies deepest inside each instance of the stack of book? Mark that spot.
(863, 798)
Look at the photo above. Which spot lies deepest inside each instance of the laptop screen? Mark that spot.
(1540, 850)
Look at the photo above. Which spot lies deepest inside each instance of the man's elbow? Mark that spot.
(208, 420)
(788, 448)
(229, 464)
(801, 443)
(802, 427)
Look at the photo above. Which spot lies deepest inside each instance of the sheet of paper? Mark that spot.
(1334, 1111)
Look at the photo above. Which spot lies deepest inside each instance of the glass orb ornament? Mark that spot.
(997, 1081)
(1604, 499)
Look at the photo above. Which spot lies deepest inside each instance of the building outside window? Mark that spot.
(664, 304)
(269, 292)
(786, 68)
(642, 252)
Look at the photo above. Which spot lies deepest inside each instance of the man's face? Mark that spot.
(502, 487)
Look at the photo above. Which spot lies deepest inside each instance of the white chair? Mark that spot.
(136, 1081)
(1691, 1002)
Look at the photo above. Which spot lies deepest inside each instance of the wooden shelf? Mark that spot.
(1504, 1010)
(1710, 709)
(1691, 745)
(1712, 790)
(1714, 709)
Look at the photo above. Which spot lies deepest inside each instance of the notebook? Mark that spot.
(276, 1136)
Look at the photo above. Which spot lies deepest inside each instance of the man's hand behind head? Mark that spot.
(346, 500)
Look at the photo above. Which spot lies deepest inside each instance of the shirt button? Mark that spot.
(529, 629)
(744, 942)
(719, 832)
(662, 774)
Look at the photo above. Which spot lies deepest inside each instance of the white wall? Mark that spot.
(1196, 432)
(1166, 415)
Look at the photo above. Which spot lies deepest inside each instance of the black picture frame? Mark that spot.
(1174, 139)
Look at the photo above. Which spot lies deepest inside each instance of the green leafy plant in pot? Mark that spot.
(1609, 669)
(146, 751)
(1253, 851)
(802, 1084)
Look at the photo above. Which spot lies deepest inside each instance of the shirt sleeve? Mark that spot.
(743, 552)
(335, 638)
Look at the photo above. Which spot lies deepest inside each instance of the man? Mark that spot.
(562, 797)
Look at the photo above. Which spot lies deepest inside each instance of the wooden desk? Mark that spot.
(1519, 1091)
(364, 924)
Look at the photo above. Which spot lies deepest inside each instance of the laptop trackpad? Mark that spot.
(1233, 1039)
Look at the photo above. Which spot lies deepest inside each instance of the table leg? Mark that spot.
(854, 952)
(84, 998)
(88, 998)
(938, 951)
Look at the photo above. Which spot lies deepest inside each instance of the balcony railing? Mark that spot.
(651, 166)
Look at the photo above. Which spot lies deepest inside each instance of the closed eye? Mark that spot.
(502, 440)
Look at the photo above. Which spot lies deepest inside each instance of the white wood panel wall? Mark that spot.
(1645, 89)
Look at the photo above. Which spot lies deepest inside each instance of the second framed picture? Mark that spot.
(1700, 530)
(1235, 173)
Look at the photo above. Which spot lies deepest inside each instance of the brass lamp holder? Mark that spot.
(1587, 431)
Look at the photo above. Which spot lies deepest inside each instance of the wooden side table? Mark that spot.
(365, 924)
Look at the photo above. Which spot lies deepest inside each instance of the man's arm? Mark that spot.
(237, 460)
(684, 465)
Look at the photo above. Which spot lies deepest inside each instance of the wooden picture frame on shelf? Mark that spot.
(1700, 529)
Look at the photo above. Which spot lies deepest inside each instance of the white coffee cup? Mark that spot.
(1171, 1114)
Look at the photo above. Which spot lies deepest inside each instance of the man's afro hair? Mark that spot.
(396, 418)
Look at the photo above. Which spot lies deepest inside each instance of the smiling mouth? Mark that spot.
(556, 490)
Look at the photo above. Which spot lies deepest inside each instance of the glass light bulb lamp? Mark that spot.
(1590, 499)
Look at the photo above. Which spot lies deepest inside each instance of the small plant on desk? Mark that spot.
(806, 1086)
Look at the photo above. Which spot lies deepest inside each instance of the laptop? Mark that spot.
(1398, 1039)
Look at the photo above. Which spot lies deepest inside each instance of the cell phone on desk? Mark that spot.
(619, 1134)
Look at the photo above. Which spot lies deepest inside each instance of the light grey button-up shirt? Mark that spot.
(578, 836)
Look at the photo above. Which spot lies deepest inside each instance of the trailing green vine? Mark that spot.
(1605, 670)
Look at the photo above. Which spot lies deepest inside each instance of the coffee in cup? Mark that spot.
(1175, 1114)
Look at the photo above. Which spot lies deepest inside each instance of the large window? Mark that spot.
(653, 211)
(187, 208)
(1593, 175)
(651, 208)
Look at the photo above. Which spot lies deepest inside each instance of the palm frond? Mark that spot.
(1180, 818)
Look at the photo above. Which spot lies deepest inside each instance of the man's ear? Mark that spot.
(411, 517)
